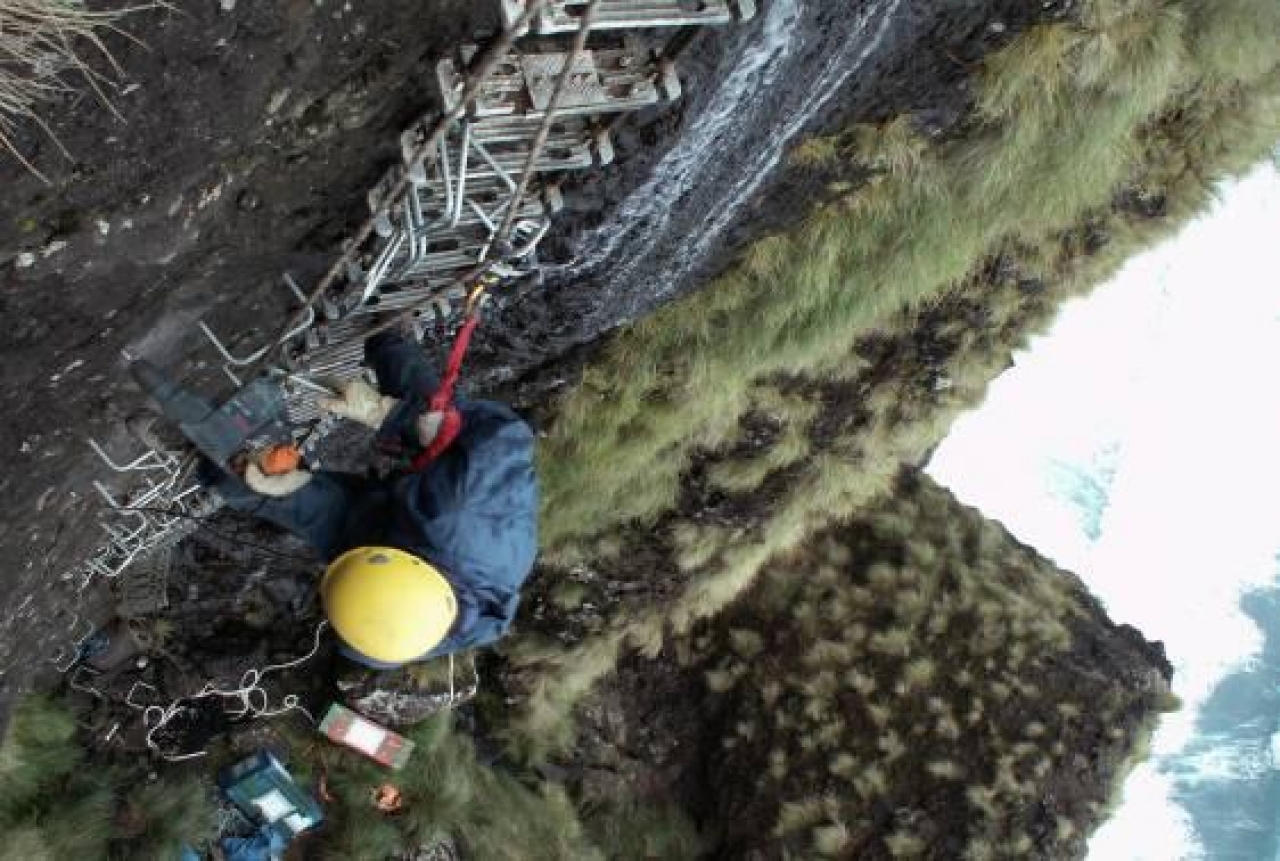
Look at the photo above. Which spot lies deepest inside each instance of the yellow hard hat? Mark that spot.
(387, 604)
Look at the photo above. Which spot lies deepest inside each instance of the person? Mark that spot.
(421, 564)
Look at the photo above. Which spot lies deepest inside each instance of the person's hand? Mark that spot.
(428, 427)
(361, 403)
(275, 485)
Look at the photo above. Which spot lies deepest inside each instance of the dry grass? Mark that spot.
(831, 735)
(42, 44)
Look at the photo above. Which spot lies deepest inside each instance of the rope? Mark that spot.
(477, 273)
(442, 401)
(472, 688)
(544, 128)
(249, 690)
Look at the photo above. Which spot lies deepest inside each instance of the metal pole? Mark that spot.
(544, 129)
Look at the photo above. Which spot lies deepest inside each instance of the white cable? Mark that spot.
(250, 687)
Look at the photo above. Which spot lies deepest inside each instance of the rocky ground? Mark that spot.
(238, 145)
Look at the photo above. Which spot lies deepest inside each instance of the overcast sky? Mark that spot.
(1163, 388)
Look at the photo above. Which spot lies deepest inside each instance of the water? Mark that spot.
(1137, 444)
(673, 222)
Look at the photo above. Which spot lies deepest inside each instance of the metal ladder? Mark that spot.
(443, 224)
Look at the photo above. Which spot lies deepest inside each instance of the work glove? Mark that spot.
(275, 485)
(361, 403)
(428, 426)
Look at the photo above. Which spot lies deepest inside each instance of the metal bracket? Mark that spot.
(231, 360)
(75, 684)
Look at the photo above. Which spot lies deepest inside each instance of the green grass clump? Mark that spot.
(739, 475)
(59, 803)
(628, 830)
(1235, 40)
(167, 812)
(448, 793)
(1136, 97)
(55, 805)
(38, 750)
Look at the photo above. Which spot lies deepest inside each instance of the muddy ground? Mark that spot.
(243, 145)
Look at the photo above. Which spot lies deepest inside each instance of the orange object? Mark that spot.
(280, 459)
(387, 798)
(322, 789)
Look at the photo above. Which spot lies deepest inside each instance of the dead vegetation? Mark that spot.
(42, 47)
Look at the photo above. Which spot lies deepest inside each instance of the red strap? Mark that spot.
(442, 400)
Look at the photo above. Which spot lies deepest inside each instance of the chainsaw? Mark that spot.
(251, 424)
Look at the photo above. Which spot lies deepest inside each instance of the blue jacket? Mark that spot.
(473, 514)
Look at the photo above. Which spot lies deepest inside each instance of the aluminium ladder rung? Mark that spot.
(572, 148)
(404, 264)
(488, 192)
(502, 162)
(438, 295)
(564, 16)
(486, 132)
(558, 156)
(496, 129)
(603, 80)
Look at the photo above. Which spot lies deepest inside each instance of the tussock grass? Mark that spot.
(40, 42)
(37, 751)
(59, 804)
(55, 806)
(173, 810)
(449, 793)
(562, 677)
(836, 734)
(25, 844)
(627, 830)
(1066, 110)
(739, 475)
(1235, 40)
(1115, 105)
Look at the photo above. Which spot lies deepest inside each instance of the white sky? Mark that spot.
(1178, 361)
